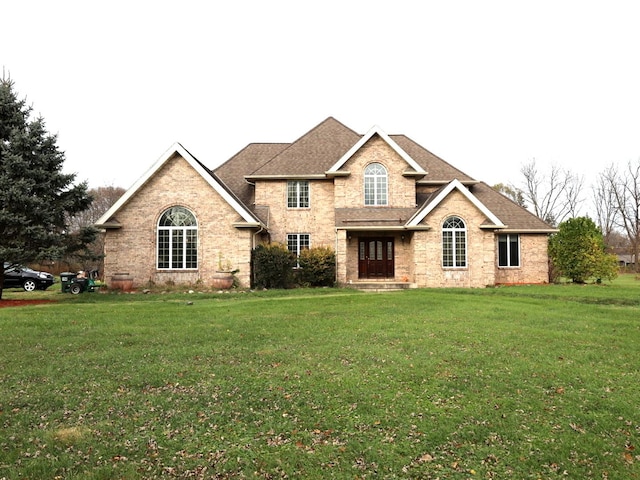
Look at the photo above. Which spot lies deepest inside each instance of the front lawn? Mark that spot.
(511, 382)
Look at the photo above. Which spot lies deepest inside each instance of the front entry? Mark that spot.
(375, 257)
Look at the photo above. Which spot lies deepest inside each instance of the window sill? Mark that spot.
(173, 270)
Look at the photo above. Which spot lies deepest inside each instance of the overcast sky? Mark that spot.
(486, 85)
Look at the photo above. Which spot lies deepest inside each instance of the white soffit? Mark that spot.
(179, 149)
(377, 130)
(455, 184)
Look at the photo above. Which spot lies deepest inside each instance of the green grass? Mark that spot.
(512, 382)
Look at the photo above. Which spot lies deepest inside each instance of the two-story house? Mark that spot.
(391, 210)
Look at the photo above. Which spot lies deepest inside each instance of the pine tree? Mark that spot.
(36, 197)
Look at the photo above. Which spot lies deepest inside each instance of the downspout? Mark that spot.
(336, 250)
(254, 242)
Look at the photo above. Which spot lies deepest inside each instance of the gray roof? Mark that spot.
(373, 217)
(253, 156)
(512, 215)
(315, 152)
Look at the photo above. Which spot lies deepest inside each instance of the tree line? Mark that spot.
(556, 195)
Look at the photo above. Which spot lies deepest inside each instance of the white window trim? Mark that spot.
(298, 249)
(376, 201)
(453, 242)
(297, 184)
(172, 230)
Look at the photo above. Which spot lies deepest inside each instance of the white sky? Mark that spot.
(487, 85)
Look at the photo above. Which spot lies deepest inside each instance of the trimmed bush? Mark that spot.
(317, 267)
(272, 266)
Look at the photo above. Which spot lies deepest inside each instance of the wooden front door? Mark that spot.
(375, 257)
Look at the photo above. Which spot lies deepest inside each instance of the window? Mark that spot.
(296, 242)
(454, 243)
(375, 185)
(509, 250)
(177, 239)
(298, 194)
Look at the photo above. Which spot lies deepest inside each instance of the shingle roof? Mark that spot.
(437, 169)
(381, 217)
(250, 158)
(313, 153)
(512, 215)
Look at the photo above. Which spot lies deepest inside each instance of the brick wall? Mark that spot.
(349, 191)
(318, 220)
(132, 248)
(480, 270)
(534, 266)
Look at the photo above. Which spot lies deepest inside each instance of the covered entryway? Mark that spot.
(376, 257)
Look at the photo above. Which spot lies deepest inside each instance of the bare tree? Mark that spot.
(605, 205)
(553, 197)
(91, 258)
(511, 192)
(625, 192)
(103, 199)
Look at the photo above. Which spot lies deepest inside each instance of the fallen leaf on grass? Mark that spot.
(425, 458)
(577, 428)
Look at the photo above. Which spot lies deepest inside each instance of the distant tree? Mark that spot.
(103, 200)
(554, 196)
(578, 252)
(604, 199)
(91, 256)
(511, 192)
(623, 190)
(36, 198)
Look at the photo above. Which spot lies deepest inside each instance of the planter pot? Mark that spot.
(222, 280)
(121, 281)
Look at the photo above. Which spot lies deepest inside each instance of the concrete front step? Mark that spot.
(381, 286)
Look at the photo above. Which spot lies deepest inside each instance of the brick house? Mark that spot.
(391, 210)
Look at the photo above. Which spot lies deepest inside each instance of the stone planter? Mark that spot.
(121, 281)
(222, 280)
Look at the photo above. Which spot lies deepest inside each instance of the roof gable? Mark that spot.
(442, 194)
(365, 138)
(176, 148)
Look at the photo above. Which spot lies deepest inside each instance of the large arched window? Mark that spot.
(375, 185)
(454, 243)
(177, 239)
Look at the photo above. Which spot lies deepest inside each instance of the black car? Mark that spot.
(19, 276)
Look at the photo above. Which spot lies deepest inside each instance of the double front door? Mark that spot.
(375, 257)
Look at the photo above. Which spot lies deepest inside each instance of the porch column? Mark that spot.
(341, 256)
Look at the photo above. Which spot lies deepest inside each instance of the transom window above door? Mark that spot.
(375, 185)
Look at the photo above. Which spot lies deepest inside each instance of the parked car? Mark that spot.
(30, 280)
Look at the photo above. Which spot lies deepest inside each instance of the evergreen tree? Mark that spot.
(36, 197)
(578, 252)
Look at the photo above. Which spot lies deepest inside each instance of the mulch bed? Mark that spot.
(22, 303)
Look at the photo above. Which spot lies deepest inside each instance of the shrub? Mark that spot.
(317, 267)
(272, 266)
(578, 252)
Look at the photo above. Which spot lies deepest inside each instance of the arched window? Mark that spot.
(375, 184)
(454, 243)
(177, 239)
